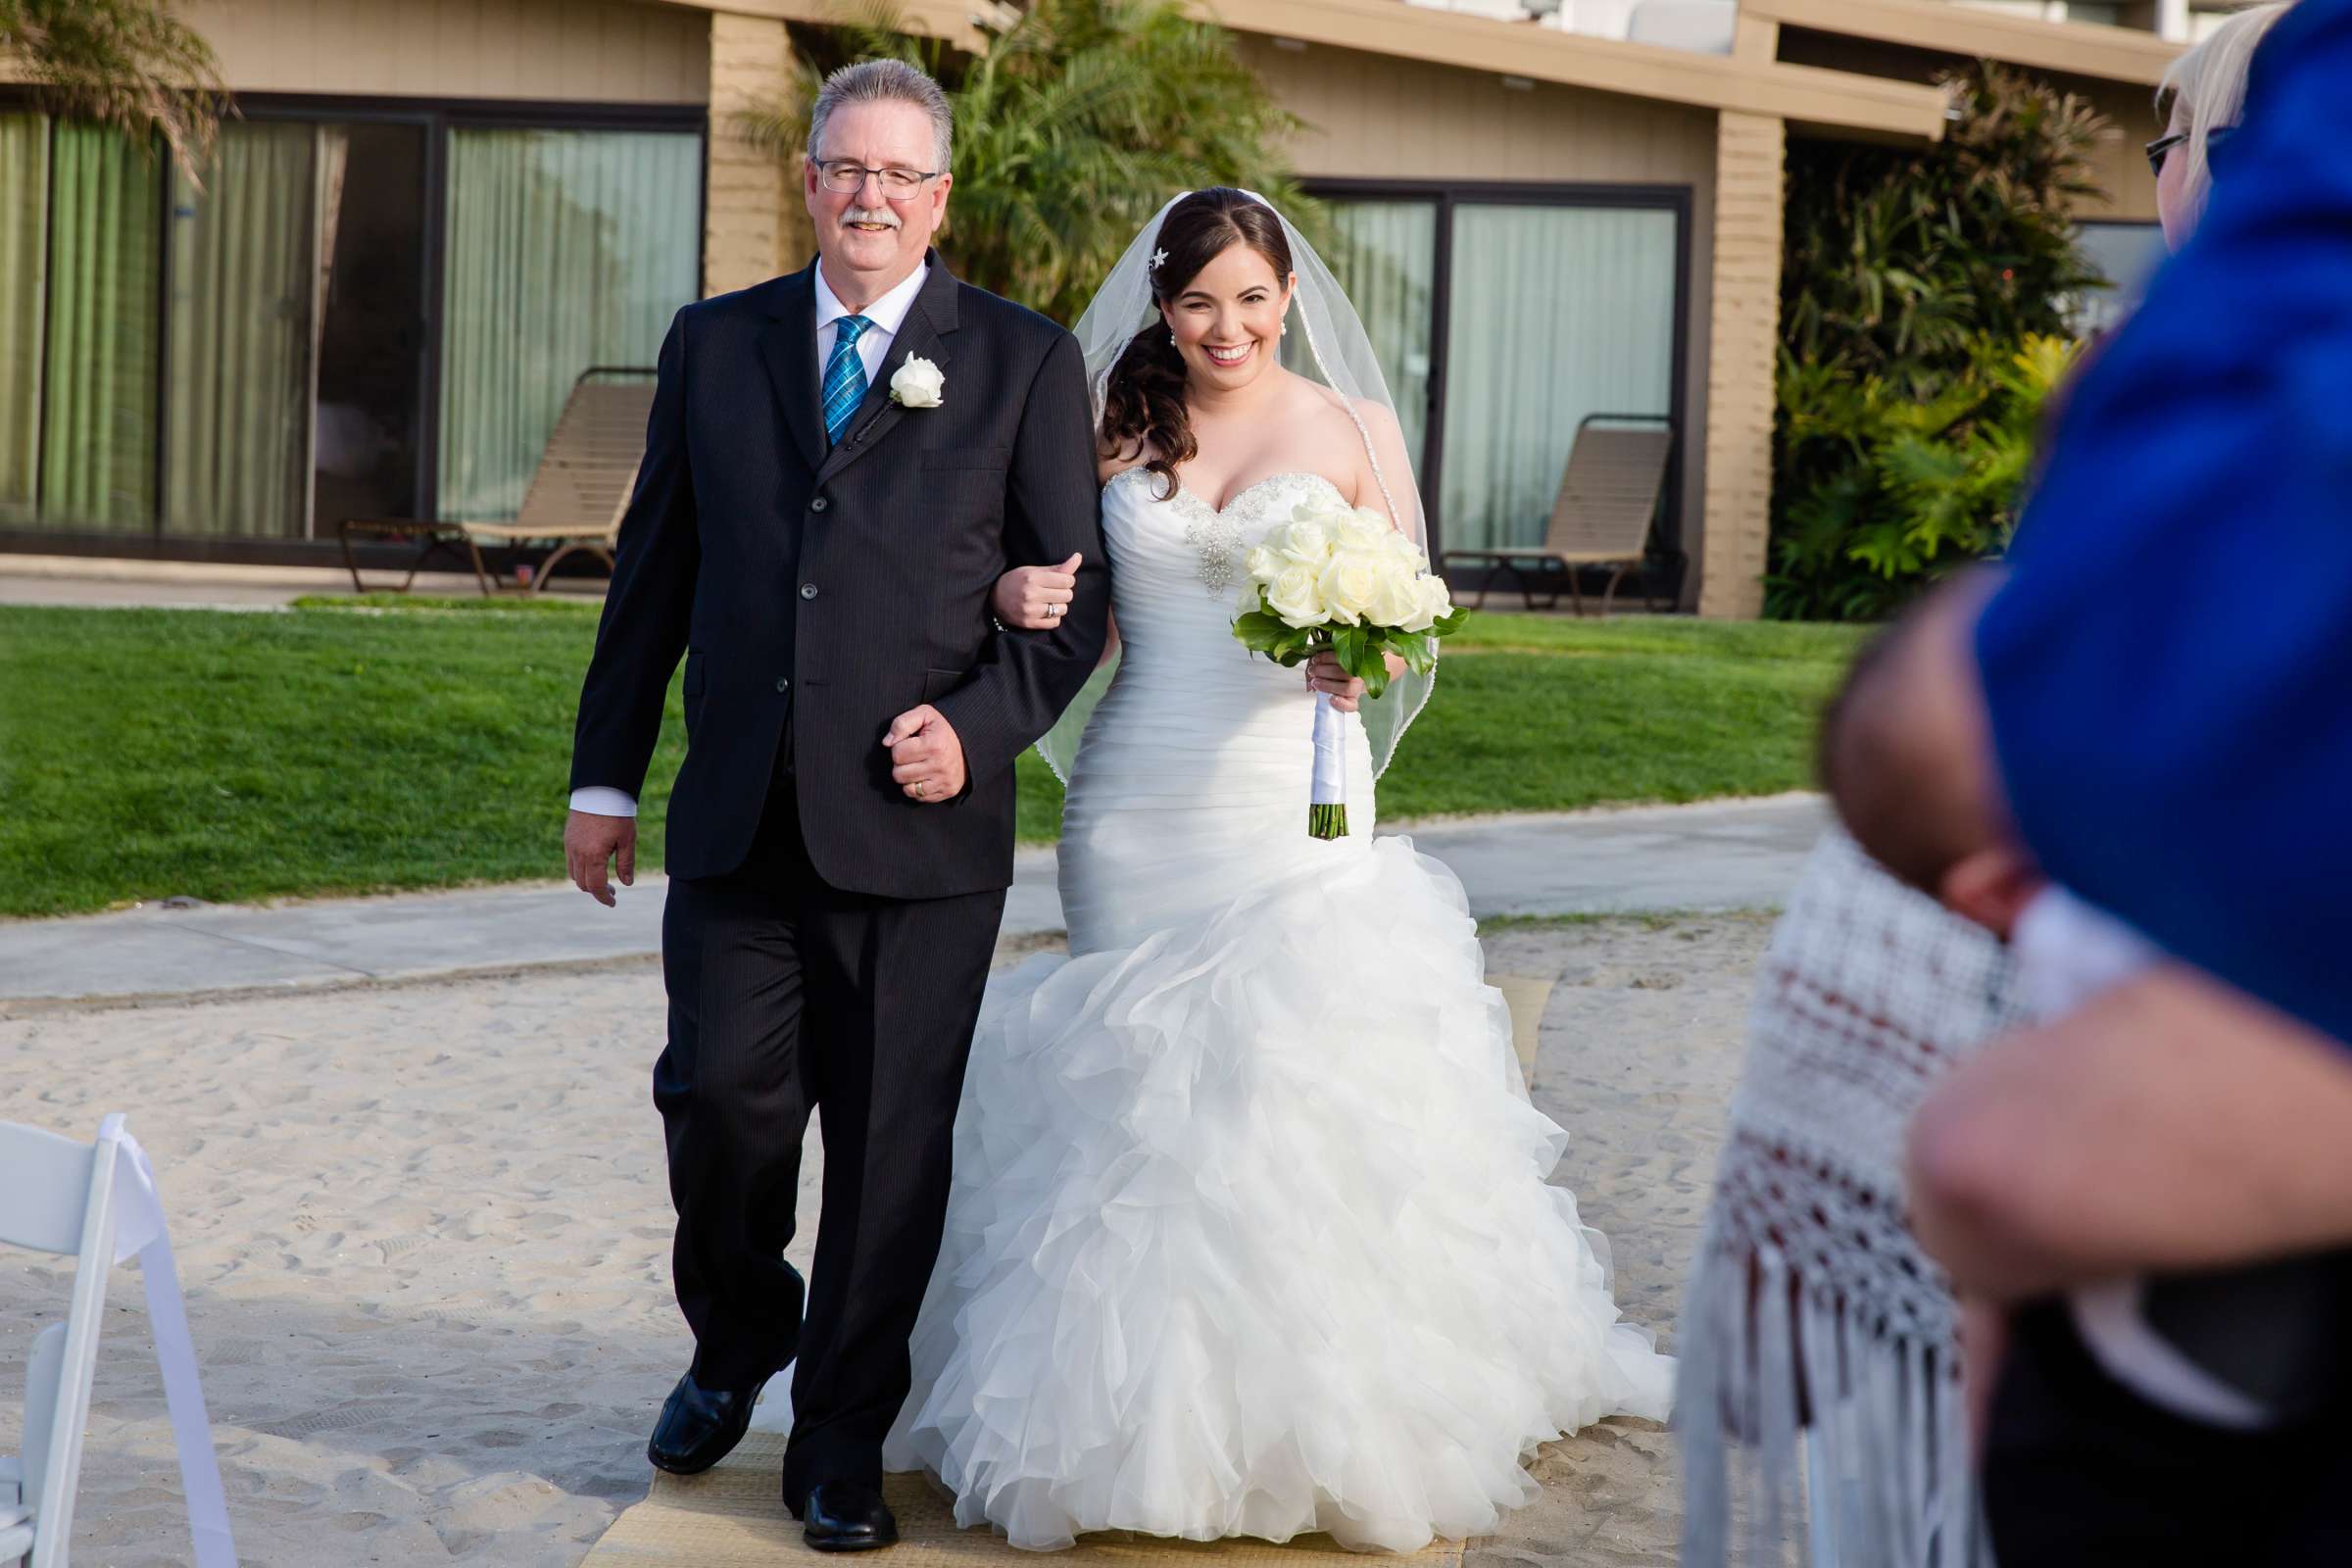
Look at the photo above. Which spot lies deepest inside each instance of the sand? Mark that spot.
(425, 1235)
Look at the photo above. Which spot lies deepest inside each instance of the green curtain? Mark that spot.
(566, 249)
(23, 286)
(1385, 255)
(1555, 312)
(238, 406)
(98, 406)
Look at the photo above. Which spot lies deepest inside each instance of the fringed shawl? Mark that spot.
(1813, 1321)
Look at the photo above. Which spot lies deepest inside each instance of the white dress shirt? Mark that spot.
(887, 314)
(2068, 952)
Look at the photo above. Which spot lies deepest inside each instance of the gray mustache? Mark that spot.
(862, 215)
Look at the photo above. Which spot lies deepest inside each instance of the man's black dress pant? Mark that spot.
(787, 997)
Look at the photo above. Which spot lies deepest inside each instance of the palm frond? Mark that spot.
(131, 63)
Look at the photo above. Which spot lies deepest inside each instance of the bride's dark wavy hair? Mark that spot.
(1142, 402)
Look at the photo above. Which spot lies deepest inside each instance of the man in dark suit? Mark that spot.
(839, 464)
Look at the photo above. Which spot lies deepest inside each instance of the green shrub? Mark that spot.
(1893, 486)
(1923, 315)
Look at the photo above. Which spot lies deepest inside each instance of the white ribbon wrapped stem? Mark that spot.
(1331, 756)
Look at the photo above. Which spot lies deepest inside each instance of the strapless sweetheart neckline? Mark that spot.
(1239, 496)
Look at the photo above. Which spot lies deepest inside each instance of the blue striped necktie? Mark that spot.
(845, 375)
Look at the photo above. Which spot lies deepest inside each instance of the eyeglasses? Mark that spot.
(2162, 147)
(846, 177)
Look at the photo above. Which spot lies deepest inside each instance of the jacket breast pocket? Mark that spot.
(968, 459)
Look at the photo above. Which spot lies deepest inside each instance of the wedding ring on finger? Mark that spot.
(922, 787)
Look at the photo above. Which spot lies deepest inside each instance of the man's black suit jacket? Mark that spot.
(837, 587)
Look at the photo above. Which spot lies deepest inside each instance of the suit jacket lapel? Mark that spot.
(920, 335)
(788, 347)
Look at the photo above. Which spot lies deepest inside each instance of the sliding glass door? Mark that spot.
(567, 250)
(368, 313)
(1385, 255)
(297, 332)
(98, 414)
(1502, 317)
(243, 313)
(1557, 313)
(24, 289)
(368, 422)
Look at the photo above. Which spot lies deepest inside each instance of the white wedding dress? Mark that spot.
(1250, 1233)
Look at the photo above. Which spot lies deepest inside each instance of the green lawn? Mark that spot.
(231, 756)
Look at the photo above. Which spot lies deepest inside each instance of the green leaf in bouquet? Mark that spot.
(1415, 649)
(1447, 626)
(1262, 631)
(1354, 646)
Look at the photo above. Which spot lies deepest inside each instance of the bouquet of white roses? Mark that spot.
(1339, 577)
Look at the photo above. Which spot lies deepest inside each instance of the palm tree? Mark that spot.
(1072, 126)
(133, 64)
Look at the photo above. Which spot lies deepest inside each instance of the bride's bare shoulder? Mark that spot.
(1325, 431)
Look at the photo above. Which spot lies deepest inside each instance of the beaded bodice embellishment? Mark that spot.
(1219, 538)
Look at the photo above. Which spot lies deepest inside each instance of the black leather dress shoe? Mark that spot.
(847, 1516)
(699, 1426)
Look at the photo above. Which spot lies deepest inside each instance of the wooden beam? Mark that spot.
(2071, 48)
(958, 22)
(1756, 39)
(1835, 100)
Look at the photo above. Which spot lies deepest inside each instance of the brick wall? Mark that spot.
(1751, 154)
(754, 226)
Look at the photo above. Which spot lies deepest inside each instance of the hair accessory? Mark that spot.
(1157, 257)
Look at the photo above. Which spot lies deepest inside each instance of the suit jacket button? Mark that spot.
(783, 683)
(808, 589)
(820, 504)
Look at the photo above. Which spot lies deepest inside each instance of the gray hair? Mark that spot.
(883, 81)
(2208, 85)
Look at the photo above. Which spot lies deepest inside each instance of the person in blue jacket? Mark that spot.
(2163, 680)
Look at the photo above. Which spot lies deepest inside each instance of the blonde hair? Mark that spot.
(2209, 84)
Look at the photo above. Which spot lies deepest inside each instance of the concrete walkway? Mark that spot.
(96, 582)
(1728, 855)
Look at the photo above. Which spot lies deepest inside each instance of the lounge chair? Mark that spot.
(1604, 515)
(575, 499)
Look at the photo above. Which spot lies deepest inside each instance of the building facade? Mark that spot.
(432, 216)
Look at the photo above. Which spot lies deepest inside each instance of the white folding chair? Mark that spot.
(56, 1196)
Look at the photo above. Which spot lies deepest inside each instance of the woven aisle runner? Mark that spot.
(733, 1517)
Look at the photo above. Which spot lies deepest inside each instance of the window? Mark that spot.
(1502, 315)
(2126, 255)
(98, 359)
(1557, 313)
(567, 249)
(255, 356)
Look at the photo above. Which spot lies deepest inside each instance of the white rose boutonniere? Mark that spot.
(917, 384)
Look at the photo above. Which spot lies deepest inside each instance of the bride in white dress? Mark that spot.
(1250, 1232)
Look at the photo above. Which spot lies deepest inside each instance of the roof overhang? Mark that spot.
(2071, 48)
(959, 23)
(1833, 101)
